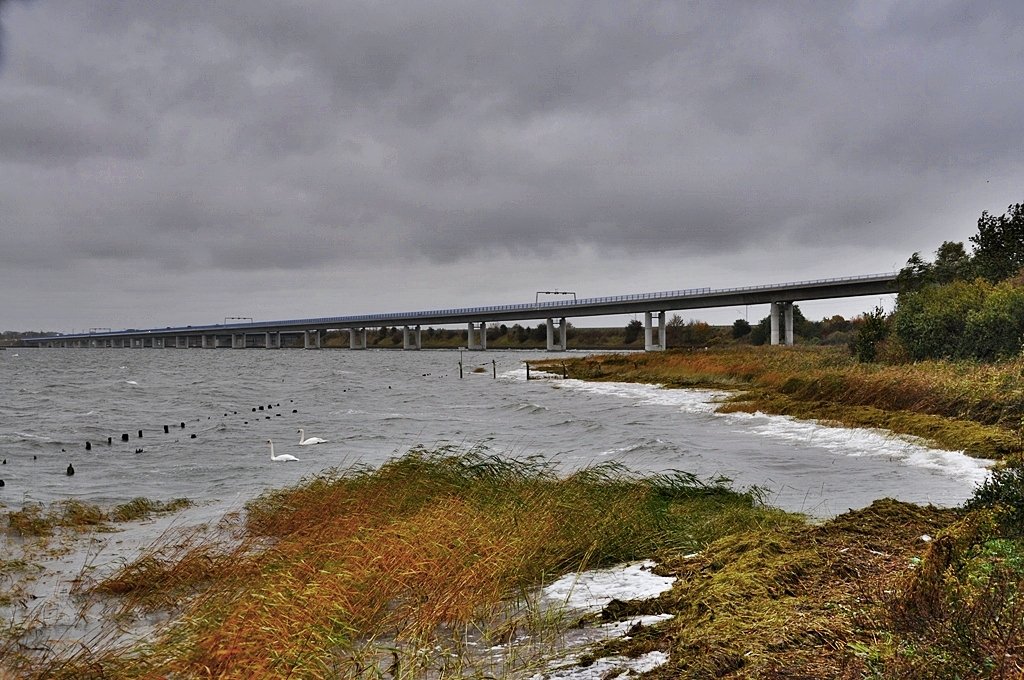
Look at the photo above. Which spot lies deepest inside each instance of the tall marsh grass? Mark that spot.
(353, 572)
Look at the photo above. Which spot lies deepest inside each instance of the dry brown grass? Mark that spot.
(974, 407)
(349, 572)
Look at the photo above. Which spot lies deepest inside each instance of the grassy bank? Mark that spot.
(349, 574)
(427, 566)
(974, 407)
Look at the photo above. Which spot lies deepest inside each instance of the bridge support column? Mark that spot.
(357, 338)
(649, 343)
(782, 313)
(208, 341)
(238, 341)
(311, 339)
(272, 340)
(787, 310)
(559, 346)
(775, 313)
(412, 338)
(473, 342)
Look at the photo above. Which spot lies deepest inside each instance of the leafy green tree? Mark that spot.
(633, 330)
(915, 273)
(999, 244)
(996, 330)
(952, 263)
(930, 322)
(740, 328)
(873, 329)
(762, 332)
(835, 324)
(802, 326)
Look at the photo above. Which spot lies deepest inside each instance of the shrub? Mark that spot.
(930, 323)
(873, 330)
(1004, 492)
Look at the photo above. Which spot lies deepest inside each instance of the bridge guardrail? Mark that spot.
(552, 305)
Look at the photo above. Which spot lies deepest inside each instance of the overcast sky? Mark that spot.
(166, 163)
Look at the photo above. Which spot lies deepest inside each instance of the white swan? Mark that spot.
(283, 457)
(312, 440)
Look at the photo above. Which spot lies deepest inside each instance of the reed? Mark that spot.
(141, 508)
(357, 570)
(969, 406)
(414, 569)
(38, 520)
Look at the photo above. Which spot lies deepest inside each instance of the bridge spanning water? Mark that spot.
(268, 334)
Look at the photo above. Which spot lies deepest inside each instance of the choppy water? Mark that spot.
(372, 405)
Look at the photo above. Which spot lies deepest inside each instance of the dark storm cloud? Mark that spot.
(250, 135)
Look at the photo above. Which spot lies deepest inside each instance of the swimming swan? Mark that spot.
(283, 457)
(312, 440)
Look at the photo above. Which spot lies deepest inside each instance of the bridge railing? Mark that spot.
(553, 305)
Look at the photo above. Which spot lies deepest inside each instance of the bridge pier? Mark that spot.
(412, 338)
(560, 346)
(782, 312)
(649, 344)
(473, 341)
(208, 341)
(311, 339)
(357, 338)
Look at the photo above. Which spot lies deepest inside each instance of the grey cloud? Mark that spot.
(195, 136)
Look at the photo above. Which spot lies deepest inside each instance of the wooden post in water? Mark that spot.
(494, 369)
(527, 370)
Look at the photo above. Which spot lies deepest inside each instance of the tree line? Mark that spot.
(961, 304)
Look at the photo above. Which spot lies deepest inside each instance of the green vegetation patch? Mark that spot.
(38, 520)
(140, 508)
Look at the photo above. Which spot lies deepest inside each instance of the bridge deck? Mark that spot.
(692, 298)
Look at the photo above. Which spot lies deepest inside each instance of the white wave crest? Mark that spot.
(904, 450)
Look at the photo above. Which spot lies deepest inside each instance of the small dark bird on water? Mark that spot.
(71, 470)
(2, 482)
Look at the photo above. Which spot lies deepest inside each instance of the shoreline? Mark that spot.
(953, 406)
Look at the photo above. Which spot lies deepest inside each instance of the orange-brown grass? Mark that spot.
(961, 405)
(334, 573)
(35, 519)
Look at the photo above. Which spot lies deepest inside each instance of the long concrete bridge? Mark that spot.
(268, 334)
